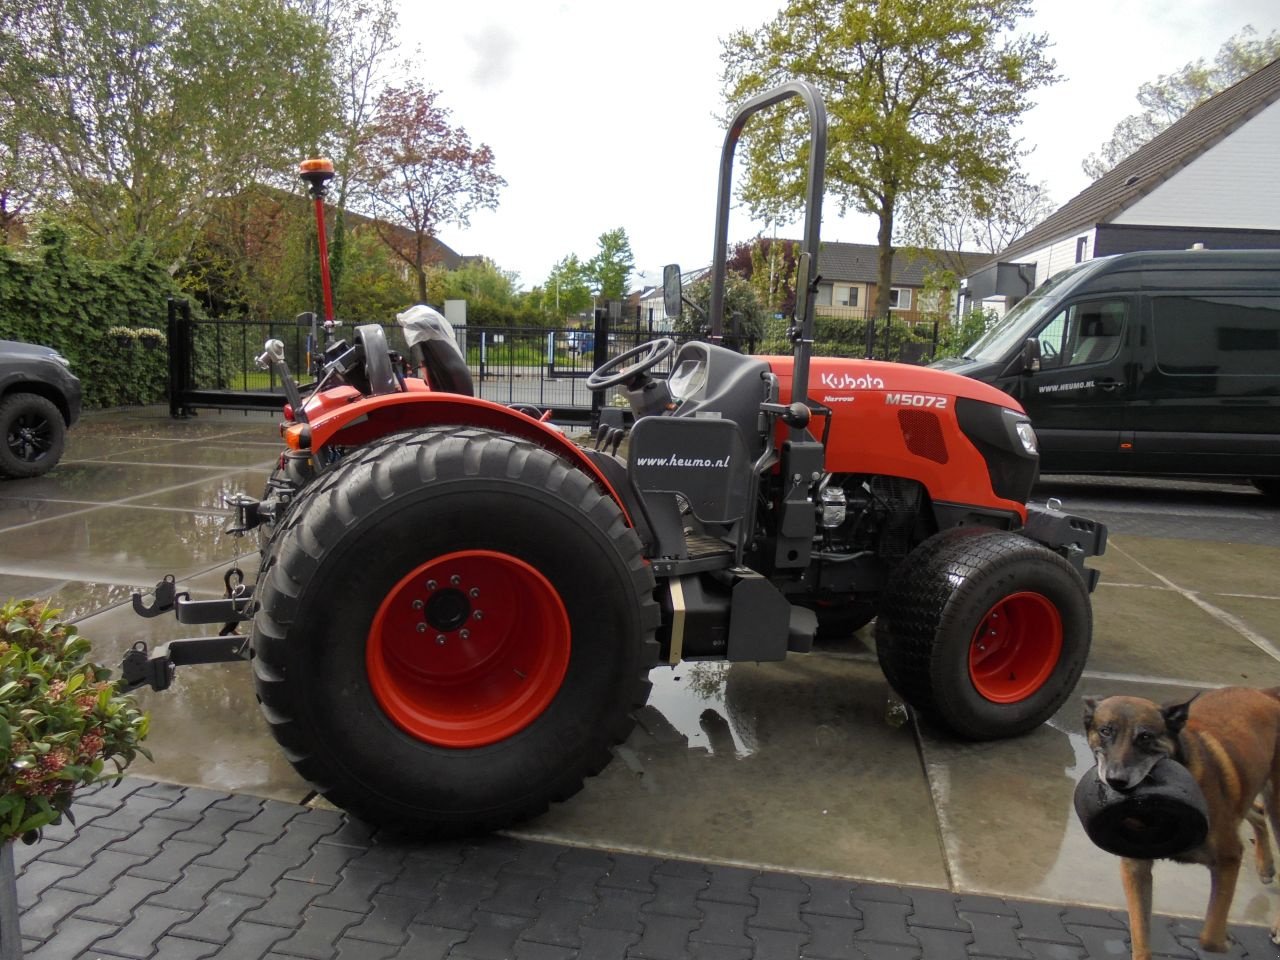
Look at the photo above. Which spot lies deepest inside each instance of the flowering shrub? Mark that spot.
(61, 720)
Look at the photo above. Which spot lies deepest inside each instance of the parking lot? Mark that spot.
(807, 765)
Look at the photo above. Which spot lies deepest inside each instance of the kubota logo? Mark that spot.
(847, 381)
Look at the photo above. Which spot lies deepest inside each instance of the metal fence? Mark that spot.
(213, 363)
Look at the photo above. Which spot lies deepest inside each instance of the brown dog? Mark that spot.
(1229, 740)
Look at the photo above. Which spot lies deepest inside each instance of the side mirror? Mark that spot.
(1031, 355)
(672, 292)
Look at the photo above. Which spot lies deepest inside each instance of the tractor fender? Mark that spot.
(371, 418)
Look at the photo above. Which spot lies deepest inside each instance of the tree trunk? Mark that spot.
(10, 934)
(885, 273)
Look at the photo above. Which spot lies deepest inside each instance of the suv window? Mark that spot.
(1088, 332)
(1219, 335)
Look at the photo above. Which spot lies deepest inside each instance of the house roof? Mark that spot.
(860, 262)
(1157, 160)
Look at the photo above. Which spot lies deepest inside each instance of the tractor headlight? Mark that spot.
(1027, 436)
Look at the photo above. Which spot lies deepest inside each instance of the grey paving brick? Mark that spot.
(533, 858)
(482, 863)
(995, 935)
(240, 802)
(577, 883)
(882, 892)
(1092, 917)
(630, 872)
(1101, 942)
(689, 869)
(116, 906)
(534, 950)
(156, 789)
(831, 938)
(558, 922)
(351, 833)
(65, 829)
(170, 862)
(81, 850)
(110, 795)
(130, 816)
(723, 923)
(885, 922)
(492, 938)
(387, 920)
(216, 825)
(1043, 921)
(324, 865)
(147, 839)
(349, 949)
(1255, 941)
(606, 944)
(386, 858)
(777, 944)
(1042, 950)
(330, 820)
(1187, 933)
(587, 858)
(213, 921)
(454, 903)
(55, 905)
(442, 851)
(233, 852)
(1163, 940)
(297, 840)
(936, 909)
(99, 876)
(273, 817)
(193, 889)
(72, 938)
(173, 948)
(719, 951)
(192, 805)
(37, 877)
(517, 894)
(318, 935)
(431, 942)
(286, 906)
(138, 937)
(730, 885)
(831, 898)
(260, 876)
(779, 909)
(354, 891)
(676, 896)
(977, 903)
(888, 951)
(774, 880)
(249, 941)
(664, 937)
(617, 909)
(419, 878)
(24, 853)
(942, 943)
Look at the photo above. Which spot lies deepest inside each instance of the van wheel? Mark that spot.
(985, 631)
(32, 435)
(1269, 487)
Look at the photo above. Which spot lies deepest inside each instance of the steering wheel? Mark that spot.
(377, 359)
(613, 372)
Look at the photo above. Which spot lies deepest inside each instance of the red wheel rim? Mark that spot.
(468, 649)
(1015, 648)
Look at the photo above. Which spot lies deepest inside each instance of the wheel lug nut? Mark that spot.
(455, 580)
(422, 628)
(431, 584)
(474, 591)
(440, 639)
(464, 633)
(479, 614)
(418, 604)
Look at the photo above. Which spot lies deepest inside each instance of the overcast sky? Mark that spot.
(602, 114)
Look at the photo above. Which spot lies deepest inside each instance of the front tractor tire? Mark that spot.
(454, 629)
(984, 631)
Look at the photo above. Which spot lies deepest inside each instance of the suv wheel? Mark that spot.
(34, 435)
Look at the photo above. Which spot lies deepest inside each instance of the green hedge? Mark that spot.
(101, 315)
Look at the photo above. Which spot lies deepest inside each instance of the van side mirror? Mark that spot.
(672, 292)
(1031, 355)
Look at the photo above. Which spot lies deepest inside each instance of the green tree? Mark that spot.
(480, 280)
(611, 268)
(144, 109)
(568, 287)
(744, 314)
(1167, 98)
(919, 93)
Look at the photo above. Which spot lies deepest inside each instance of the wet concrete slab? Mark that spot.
(794, 765)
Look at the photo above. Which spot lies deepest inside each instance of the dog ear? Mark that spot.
(1175, 716)
(1090, 705)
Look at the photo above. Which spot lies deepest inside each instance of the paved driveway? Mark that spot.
(804, 765)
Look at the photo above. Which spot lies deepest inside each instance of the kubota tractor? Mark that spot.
(457, 608)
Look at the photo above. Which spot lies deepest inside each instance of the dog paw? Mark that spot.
(1219, 946)
(1267, 876)
(1275, 935)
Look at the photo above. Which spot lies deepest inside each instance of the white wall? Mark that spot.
(1232, 184)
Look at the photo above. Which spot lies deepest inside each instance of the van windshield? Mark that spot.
(1011, 331)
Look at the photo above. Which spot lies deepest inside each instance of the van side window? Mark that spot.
(1218, 335)
(1083, 333)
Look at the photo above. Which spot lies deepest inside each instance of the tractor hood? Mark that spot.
(834, 380)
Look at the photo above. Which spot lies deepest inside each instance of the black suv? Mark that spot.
(39, 400)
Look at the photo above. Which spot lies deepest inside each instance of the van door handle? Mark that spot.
(1108, 384)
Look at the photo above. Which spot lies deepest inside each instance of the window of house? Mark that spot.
(1082, 243)
(845, 295)
(899, 298)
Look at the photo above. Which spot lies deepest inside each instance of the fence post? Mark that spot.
(871, 337)
(178, 330)
(601, 356)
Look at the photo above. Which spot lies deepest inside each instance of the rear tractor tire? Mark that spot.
(984, 631)
(454, 629)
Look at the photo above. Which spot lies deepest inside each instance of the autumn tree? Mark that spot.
(919, 93)
(611, 268)
(1170, 96)
(424, 173)
(143, 110)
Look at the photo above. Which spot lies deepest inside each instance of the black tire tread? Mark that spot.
(11, 466)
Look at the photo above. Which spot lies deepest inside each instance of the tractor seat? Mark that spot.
(446, 369)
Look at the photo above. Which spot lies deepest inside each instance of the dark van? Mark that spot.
(1158, 363)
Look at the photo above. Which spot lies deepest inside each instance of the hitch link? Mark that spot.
(156, 668)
